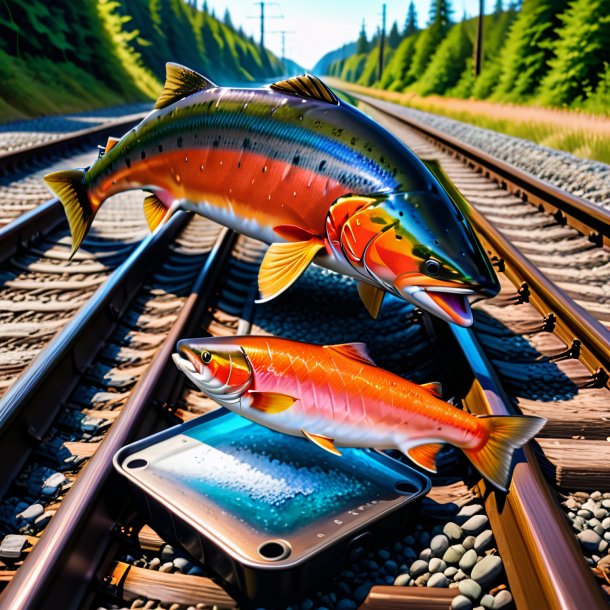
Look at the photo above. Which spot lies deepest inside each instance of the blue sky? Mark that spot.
(323, 25)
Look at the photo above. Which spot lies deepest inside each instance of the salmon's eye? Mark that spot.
(206, 357)
(432, 267)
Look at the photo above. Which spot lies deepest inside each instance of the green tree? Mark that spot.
(394, 36)
(440, 13)
(430, 39)
(446, 66)
(495, 31)
(580, 53)
(395, 72)
(362, 45)
(227, 19)
(528, 49)
(499, 7)
(411, 22)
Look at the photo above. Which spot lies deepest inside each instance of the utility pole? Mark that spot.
(478, 53)
(283, 33)
(262, 25)
(261, 5)
(382, 40)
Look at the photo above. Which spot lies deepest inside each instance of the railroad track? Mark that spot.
(23, 164)
(40, 287)
(107, 378)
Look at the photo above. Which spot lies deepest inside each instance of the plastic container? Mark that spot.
(272, 515)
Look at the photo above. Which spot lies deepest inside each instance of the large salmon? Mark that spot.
(293, 166)
(336, 396)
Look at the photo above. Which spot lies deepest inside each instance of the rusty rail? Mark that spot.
(585, 337)
(16, 159)
(59, 570)
(585, 217)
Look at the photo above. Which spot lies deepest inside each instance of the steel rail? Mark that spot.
(543, 561)
(15, 159)
(585, 337)
(27, 228)
(585, 217)
(33, 401)
(61, 567)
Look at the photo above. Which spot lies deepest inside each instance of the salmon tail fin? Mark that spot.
(506, 434)
(71, 190)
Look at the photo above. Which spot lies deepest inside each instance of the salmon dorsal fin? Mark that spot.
(283, 264)
(353, 351)
(434, 387)
(425, 455)
(372, 297)
(181, 82)
(271, 402)
(308, 86)
(154, 211)
(322, 441)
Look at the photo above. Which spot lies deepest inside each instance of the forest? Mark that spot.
(64, 56)
(552, 53)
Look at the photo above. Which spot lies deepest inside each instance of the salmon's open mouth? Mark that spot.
(447, 304)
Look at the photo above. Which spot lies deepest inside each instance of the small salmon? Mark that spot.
(293, 166)
(336, 396)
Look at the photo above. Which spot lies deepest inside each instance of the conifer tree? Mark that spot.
(580, 53)
(447, 63)
(227, 19)
(528, 49)
(499, 7)
(430, 39)
(411, 23)
(393, 36)
(362, 46)
(440, 12)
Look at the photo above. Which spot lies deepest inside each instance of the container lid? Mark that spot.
(269, 499)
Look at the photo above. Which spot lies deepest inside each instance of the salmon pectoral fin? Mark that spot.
(322, 441)
(154, 211)
(372, 298)
(434, 387)
(271, 402)
(506, 434)
(425, 455)
(283, 264)
(71, 189)
(111, 142)
(353, 351)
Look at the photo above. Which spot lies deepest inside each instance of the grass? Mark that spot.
(586, 136)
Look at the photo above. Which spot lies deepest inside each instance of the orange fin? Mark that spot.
(293, 233)
(353, 351)
(283, 264)
(434, 387)
(271, 402)
(322, 441)
(506, 434)
(111, 143)
(425, 455)
(154, 211)
(372, 298)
